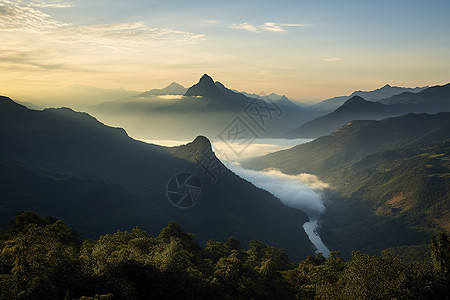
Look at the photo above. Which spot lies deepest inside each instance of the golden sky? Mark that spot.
(307, 50)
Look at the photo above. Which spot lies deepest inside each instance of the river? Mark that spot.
(302, 191)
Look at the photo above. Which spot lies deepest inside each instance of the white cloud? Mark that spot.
(268, 26)
(277, 27)
(303, 191)
(333, 59)
(245, 26)
(18, 17)
(25, 28)
(124, 34)
(171, 97)
(213, 21)
(50, 3)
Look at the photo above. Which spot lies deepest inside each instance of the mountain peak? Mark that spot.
(205, 88)
(172, 89)
(202, 141)
(206, 78)
(386, 86)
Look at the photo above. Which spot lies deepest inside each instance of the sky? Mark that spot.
(306, 49)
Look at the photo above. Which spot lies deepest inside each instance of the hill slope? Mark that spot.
(395, 170)
(67, 164)
(386, 91)
(431, 100)
(356, 108)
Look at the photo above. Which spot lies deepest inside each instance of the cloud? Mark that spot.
(16, 16)
(20, 17)
(213, 21)
(245, 26)
(124, 34)
(333, 59)
(277, 27)
(303, 191)
(31, 39)
(268, 26)
(53, 4)
(27, 58)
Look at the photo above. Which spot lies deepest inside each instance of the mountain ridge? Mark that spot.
(97, 179)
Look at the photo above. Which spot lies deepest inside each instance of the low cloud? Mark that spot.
(302, 191)
(268, 26)
(171, 97)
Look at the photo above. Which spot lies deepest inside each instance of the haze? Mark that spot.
(308, 50)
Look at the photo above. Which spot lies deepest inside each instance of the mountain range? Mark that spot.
(390, 179)
(172, 89)
(431, 100)
(207, 108)
(386, 91)
(97, 179)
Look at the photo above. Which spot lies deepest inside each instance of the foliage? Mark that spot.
(42, 258)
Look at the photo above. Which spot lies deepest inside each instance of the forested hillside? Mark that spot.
(42, 258)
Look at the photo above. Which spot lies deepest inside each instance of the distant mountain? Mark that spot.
(271, 96)
(172, 89)
(432, 100)
(388, 177)
(375, 95)
(356, 108)
(208, 108)
(205, 88)
(97, 179)
(386, 92)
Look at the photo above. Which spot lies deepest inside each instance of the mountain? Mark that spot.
(208, 108)
(205, 88)
(271, 96)
(172, 89)
(432, 100)
(390, 179)
(356, 108)
(386, 91)
(97, 179)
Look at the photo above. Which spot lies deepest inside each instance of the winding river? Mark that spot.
(302, 191)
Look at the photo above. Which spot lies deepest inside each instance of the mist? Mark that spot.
(303, 191)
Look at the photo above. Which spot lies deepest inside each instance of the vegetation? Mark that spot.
(63, 163)
(42, 258)
(390, 181)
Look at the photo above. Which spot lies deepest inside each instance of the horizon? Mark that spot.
(306, 51)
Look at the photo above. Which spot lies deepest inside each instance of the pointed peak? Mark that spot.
(386, 86)
(206, 78)
(205, 88)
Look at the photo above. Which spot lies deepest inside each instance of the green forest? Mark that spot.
(43, 258)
